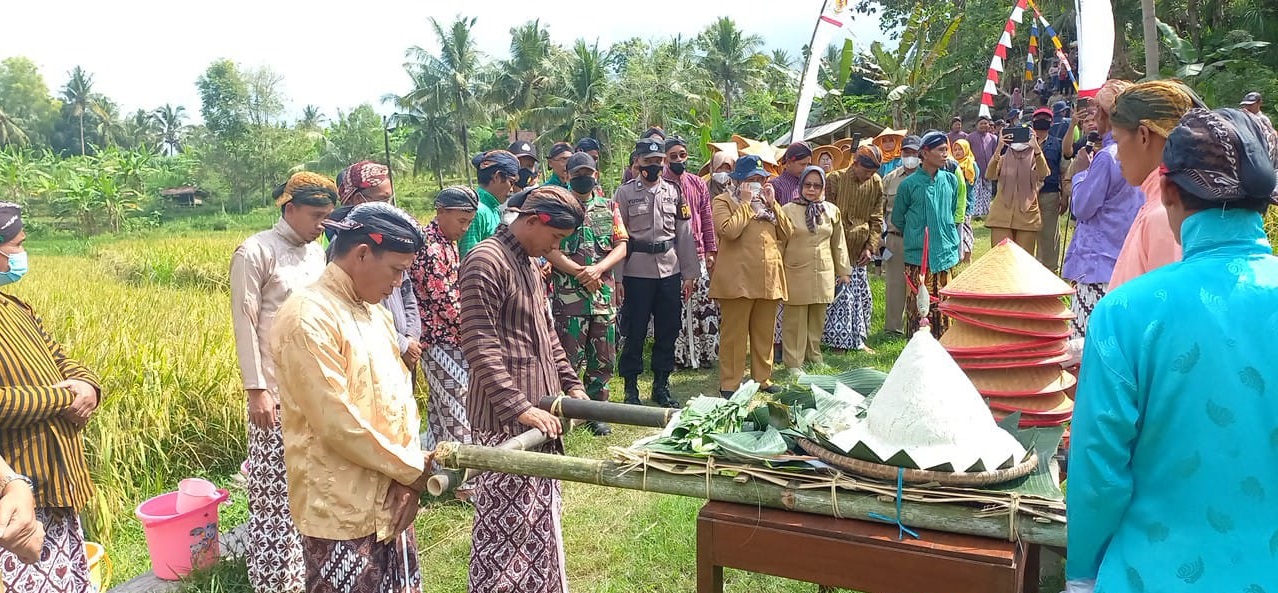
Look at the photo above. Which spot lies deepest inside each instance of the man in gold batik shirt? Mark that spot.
(351, 446)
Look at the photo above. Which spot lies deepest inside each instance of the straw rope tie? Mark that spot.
(557, 406)
(709, 473)
(1012, 516)
(902, 530)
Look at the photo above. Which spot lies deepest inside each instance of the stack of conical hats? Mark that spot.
(1008, 333)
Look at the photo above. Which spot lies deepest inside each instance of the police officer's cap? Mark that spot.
(649, 147)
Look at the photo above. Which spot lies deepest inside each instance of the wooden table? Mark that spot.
(860, 555)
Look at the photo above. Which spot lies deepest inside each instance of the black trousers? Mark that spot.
(662, 302)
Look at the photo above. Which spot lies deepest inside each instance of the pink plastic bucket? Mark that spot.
(180, 542)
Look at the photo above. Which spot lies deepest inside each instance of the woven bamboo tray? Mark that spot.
(921, 476)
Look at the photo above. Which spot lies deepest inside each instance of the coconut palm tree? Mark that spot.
(731, 58)
(523, 80)
(456, 68)
(141, 130)
(426, 114)
(11, 132)
(574, 109)
(170, 119)
(780, 74)
(107, 124)
(312, 119)
(79, 96)
(1149, 23)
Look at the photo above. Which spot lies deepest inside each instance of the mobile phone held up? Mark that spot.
(1019, 133)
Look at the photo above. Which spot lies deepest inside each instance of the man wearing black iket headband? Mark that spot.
(497, 172)
(46, 400)
(515, 360)
(351, 425)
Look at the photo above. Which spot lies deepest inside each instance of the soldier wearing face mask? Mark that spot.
(527, 155)
(1051, 128)
(659, 272)
(894, 245)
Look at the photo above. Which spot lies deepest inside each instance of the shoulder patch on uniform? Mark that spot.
(685, 211)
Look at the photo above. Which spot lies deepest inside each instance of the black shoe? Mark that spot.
(632, 391)
(773, 389)
(597, 428)
(725, 394)
(661, 391)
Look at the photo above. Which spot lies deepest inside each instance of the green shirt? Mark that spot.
(555, 180)
(928, 203)
(485, 223)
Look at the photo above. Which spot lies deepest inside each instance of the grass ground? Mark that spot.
(151, 315)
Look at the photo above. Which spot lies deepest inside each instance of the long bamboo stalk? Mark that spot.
(449, 479)
(585, 409)
(831, 502)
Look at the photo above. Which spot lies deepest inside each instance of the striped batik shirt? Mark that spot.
(862, 205)
(506, 335)
(35, 438)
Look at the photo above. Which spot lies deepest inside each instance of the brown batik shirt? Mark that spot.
(507, 337)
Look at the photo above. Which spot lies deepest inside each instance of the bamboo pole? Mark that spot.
(585, 409)
(831, 502)
(449, 479)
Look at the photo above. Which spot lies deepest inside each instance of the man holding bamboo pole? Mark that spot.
(350, 423)
(515, 359)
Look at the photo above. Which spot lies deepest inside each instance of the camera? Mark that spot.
(1019, 133)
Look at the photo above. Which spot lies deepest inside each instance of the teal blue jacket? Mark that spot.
(929, 202)
(1173, 472)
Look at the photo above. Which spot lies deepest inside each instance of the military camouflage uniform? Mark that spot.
(584, 320)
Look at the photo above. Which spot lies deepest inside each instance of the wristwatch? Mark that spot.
(11, 478)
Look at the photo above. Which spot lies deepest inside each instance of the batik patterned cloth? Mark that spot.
(1085, 298)
(934, 283)
(447, 378)
(276, 562)
(516, 546)
(63, 567)
(967, 239)
(983, 194)
(847, 321)
(362, 565)
(705, 326)
(589, 342)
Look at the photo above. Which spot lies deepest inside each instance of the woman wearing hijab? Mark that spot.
(749, 279)
(858, 193)
(721, 165)
(1019, 168)
(1142, 118)
(815, 258)
(968, 172)
(889, 143)
(1172, 456)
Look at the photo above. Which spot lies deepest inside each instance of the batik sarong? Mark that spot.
(847, 320)
(362, 565)
(516, 542)
(447, 377)
(275, 562)
(705, 326)
(967, 239)
(1085, 298)
(934, 283)
(982, 196)
(63, 566)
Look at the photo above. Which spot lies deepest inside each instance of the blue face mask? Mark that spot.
(17, 267)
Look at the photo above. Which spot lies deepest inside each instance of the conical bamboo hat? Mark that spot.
(714, 147)
(928, 411)
(1026, 308)
(965, 339)
(1038, 328)
(1020, 382)
(1054, 405)
(1006, 271)
(836, 154)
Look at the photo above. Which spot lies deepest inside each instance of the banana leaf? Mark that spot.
(865, 381)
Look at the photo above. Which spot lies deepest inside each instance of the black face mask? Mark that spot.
(650, 173)
(525, 177)
(1042, 124)
(582, 185)
(678, 168)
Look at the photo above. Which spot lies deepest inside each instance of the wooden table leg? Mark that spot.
(1033, 566)
(709, 575)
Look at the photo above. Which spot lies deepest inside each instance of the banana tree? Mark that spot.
(1194, 62)
(910, 74)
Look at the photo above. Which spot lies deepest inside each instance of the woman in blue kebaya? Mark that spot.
(1174, 455)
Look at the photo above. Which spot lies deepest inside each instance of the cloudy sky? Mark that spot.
(144, 53)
